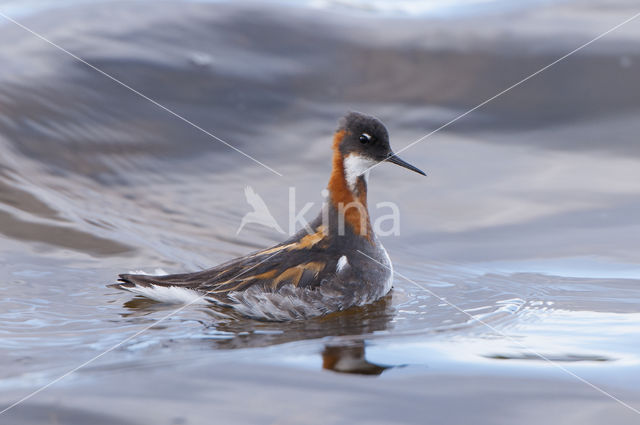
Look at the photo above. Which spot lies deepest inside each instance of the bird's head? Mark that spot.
(364, 142)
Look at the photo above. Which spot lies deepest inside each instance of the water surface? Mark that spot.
(518, 258)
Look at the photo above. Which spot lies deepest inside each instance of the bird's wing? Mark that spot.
(303, 263)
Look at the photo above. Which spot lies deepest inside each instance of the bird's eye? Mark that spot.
(365, 138)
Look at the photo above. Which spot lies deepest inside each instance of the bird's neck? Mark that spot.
(348, 192)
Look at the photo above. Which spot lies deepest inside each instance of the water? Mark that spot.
(518, 256)
(404, 8)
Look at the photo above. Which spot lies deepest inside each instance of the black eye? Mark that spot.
(365, 138)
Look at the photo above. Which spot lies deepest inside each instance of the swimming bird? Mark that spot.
(337, 262)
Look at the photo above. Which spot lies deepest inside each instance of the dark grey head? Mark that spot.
(366, 138)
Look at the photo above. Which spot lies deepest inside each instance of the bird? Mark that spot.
(333, 264)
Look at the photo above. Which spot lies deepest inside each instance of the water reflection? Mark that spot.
(553, 358)
(350, 358)
(229, 330)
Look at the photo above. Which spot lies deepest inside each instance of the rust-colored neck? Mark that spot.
(351, 204)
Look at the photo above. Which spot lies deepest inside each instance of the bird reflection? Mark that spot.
(349, 358)
(236, 331)
(355, 322)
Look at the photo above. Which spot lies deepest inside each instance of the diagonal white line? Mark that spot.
(129, 338)
(111, 77)
(559, 366)
(492, 98)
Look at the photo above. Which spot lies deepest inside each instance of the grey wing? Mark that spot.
(270, 269)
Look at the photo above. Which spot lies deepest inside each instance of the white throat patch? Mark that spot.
(356, 166)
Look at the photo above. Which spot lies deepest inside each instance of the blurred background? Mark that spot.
(527, 222)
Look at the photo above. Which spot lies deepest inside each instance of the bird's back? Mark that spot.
(307, 275)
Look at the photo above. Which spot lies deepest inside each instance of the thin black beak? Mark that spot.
(396, 160)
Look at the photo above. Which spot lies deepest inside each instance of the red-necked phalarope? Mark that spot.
(310, 274)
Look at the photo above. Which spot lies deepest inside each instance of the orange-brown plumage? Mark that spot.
(352, 205)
